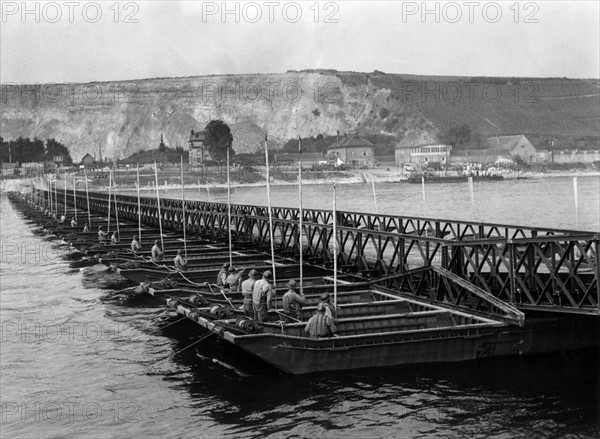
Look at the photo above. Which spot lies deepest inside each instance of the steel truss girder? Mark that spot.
(535, 268)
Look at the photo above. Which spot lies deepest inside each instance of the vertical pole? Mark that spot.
(56, 196)
(359, 251)
(374, 195)
(183, 207)
(229, 208)
(512, 255)
(271, 234)
(65, 195)
(334, 250)
(75, 198)
(423, 190)
(576, 201)
(109, 198)
(87, 196)
(137, 186)
(162, 241)
(472, 194)
(116, 205)
(301, 216)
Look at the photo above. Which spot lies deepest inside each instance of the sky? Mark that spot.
(107, 40)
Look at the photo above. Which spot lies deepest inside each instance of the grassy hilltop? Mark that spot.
(122, 118)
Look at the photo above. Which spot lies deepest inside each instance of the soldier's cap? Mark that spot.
(226, 265)
(325, 297)
(253, 274)
(268, 275)
(291, 284)
(156, 241)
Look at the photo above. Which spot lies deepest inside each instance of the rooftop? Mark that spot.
(196, 135)
(504, 142)
(478, 152)
(352, 141)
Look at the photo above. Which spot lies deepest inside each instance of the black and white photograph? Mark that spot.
(299, 219)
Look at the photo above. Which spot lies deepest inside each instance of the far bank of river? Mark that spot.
(126, 180)
(350, 177)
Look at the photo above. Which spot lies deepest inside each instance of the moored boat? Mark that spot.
(379, 329)
(418, 178)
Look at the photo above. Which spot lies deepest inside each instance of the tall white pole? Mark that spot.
(56, 195)
(116, 206)
(162, 241)
(300, 216)
(75, 197)
(374, 195)
(576, 197)
(87, 196)
(271, 234)
(183, 207)
(137, 186)
(109, 198)
(334, 250)
(65, 195)
(472, 194)
(423, 189)
(229, 209)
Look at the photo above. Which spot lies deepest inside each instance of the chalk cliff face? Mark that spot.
(116, 119)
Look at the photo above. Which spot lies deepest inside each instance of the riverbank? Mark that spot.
(323, 178)
(361, 177)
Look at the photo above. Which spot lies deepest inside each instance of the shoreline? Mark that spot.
(359, 177)
(370, 178)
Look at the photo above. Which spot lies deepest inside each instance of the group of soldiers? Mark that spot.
(157, 253)
(103, 236)
(258, 293)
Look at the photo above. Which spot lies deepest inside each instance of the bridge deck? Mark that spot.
(532, 268)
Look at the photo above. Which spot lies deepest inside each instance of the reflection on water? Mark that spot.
(87, 359)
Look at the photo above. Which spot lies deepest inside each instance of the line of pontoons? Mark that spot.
(375, 326)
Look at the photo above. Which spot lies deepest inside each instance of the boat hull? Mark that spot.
(454, 179)
(439, 345)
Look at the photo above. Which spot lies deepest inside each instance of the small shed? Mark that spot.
(87, 160)
(517, 145)
(354, 150)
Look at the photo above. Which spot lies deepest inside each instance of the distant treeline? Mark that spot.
(163, 154)
(384, 145)
(25, 150)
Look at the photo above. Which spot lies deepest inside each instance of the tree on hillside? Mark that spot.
(312, 144)
(4, 153)
(55, 148)
(27, 150)
(217, 138)
(457, 136)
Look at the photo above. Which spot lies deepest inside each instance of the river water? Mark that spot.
(80, 357)
(548, 202)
